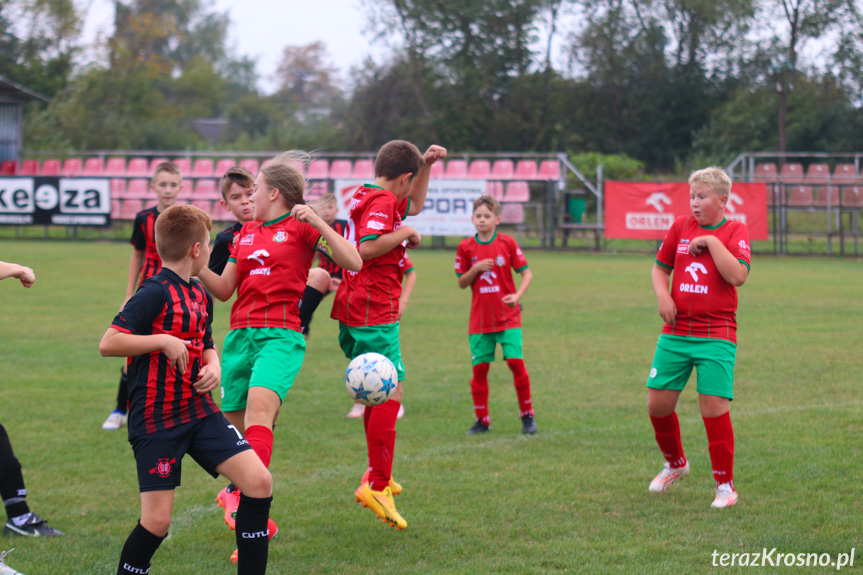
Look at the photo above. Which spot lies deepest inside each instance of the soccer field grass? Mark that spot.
(571, 499)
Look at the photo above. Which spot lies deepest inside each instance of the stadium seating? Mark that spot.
(138, 189)
(774, 192)
(494, 189)
(502, 170)
(93, 167)
(250, 164)
(8, 168)
(51, 167)
(153, 163)
(340, 169)
(479, 169)
(185, 165)
(116, 167)
(853, 197)
(843, 174)
(137, 168)
(817, 174)
(517, 192)
(364, 169)
(526, 170)
(791, 174)
(318, 170)
(72, 167)
(456, 169)
(825, 193)
(118, 187)
(203, 168)
(29, 168)
(224, 165)
(206, 189)
(116, 209)
(766, 173)
(512, 214)
(549, 170)
(130, 209)
(800, 196)
(436, 171)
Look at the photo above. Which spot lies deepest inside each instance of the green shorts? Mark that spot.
(482, 345)
(382, 339)
(713, 360)
(268, 357)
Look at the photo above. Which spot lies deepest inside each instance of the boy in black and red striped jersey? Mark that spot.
(145, 262)
(366, 303)
(327, 209)
(709, 258)
(166, 329)
(485, 263)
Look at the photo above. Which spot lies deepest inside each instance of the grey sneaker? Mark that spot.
(528, 425)
(478, 427)
(5, 569)
(33, 527)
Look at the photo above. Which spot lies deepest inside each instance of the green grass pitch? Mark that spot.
(571, 499)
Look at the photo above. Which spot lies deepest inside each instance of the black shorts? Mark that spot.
(209, 441)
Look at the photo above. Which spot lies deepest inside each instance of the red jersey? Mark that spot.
(406, 264)
(488, 313)
(273, 261)
(144, 240)
(706, 303)
(371, 295)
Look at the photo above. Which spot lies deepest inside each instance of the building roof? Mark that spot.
(16, 91)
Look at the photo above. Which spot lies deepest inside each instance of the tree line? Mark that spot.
(666, 83)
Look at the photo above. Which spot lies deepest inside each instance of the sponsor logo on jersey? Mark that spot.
(744, 247)
(499, 260)
(489, 277)
(260, 272)
(280, 236)
(375, 225)
(258, 256)
(694, 269)
(247, 240)
(379, 215)
(693, 288)
(489, 289)
(682, 248)
(518, 251)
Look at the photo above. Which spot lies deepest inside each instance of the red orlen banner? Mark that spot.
(645, 211)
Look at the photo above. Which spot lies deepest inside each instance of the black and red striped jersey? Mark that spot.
(222, 248)
(328, 265)
(144, 240)
(159, 397)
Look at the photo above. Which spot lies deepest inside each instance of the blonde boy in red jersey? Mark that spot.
(367, 302)
(710, 258)
(485, 262)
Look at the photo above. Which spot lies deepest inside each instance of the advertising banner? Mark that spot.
(55, 201)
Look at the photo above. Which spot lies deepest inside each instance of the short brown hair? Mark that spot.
(397, 158)
(239, 175)
(169, 167)
(714, 178)
(178, 228)
(486, 200)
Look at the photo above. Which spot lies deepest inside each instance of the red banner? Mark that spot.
(645, 211)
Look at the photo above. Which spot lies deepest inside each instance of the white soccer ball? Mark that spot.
(371, 379)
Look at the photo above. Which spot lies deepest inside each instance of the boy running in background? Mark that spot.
(366, 303)
(145, 263)
(166, 328)
(709, 258)
(485, 263)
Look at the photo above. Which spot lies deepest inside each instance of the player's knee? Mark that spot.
(260, 484)
(158, 525)
(319, 279)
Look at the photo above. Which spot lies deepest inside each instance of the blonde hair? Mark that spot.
(486, 200)
(178, 228)
(168, 167)
(714, 178)
(285, 173)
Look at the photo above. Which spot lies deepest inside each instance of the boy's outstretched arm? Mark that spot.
(475, 270)
(512, 299)
(116, 343)
(24, 274)
(730, 268)
(372, 248)
(421, 183)
(659, 276)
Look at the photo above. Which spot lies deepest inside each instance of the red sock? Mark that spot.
(261, 440)
(381, 439)
(522, 385)
(479, 391)
(667, 430)
(720, 443)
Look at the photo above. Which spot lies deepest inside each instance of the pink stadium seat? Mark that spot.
(29, 168)
(205, 205)
(549, 170)
(340, 169)
(118, 188)
(250, 164)
(502, 169)
(185, 165)
(800, 196)
(436, 170)
(774, 192)
(116, 209)
(364, 169)
(479, 169)
(853, 197)
(791, 174)
(456, 169)
(526, 170)
(72, 167)
(766, 173)
(207, 190)
(153, 163)
(130, 209)
(842, 174)
(512, 214)
(138, 168)
(317, 170)
(138, 189)
(824, 193)
(51, 167)
(818, 174)
(517, 192)
(93, 167)
(225, 164)
(116, 167)
(8, 168)
(495, 190)
(203, 168)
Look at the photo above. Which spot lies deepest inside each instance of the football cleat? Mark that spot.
(667, 477)
(478, 427)
(115, 421)
(5, 569)
(726, 496)
(528, 425)
(357, 411)
(381, 502)
(396, 488)
(271, 525)
(33, 527)
(229, 501)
